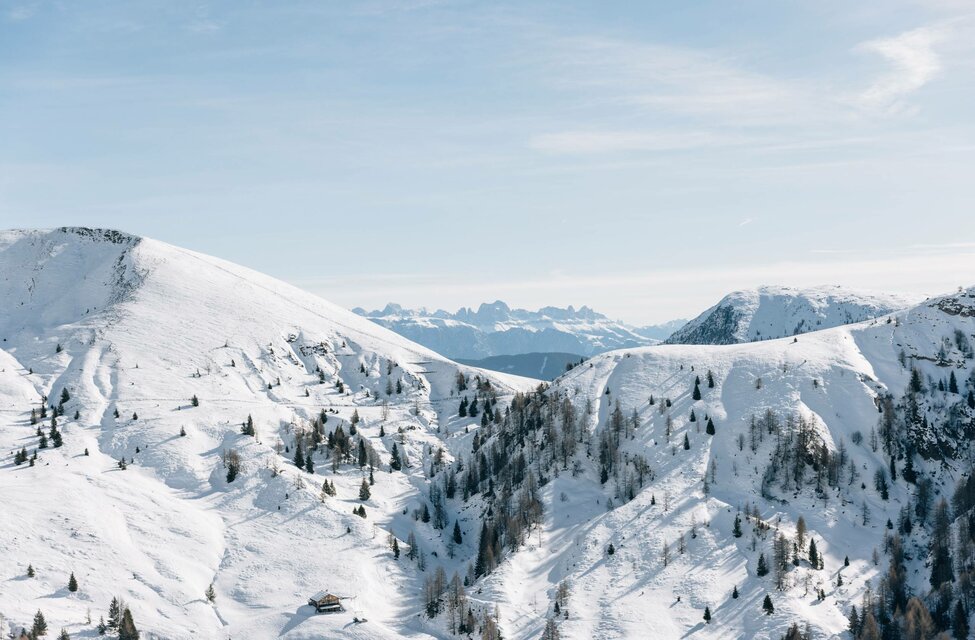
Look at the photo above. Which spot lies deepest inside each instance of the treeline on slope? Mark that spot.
(934, 421)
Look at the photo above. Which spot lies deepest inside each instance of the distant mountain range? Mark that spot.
(772, 312)
(495, 329)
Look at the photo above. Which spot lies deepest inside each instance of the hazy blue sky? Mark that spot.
(642, 158)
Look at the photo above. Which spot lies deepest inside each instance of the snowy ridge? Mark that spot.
(136, 326)
(776, 312)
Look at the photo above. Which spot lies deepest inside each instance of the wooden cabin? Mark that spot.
(325, 602)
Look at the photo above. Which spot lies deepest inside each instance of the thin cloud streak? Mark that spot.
(914, 63)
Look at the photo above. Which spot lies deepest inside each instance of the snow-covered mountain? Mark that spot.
(150, 342)
(595, 506)
(776, 312)
(496, 329)
(860, 430)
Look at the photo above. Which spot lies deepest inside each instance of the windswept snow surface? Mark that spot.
(776, 312)
(143, 327)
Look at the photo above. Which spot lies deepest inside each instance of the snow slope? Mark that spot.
(496, 329)
(833, 378)
(776, 312)
(136, 326)
(143, 327)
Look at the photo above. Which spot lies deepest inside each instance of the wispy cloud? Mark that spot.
(914, 63)
(678, 80)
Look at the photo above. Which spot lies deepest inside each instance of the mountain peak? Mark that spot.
(773, 311)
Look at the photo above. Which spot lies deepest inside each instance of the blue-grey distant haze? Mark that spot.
(640, 158)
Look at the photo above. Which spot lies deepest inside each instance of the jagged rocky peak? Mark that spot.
(496, 329)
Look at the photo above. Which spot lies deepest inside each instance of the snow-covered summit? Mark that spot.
(158, 356)
(774, 312)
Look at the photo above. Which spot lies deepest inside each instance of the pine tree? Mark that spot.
(135, 416)
(363, 458)
(364, 491)
(813, 555)
(916, 385)
(299, 457)
(971, 399)
(30, 571)
(195, 401)
(854, 621)
(767, 605)
(114, 614)
(40, 625)
(55, 436)
(248, 427)
(462, 410)
(211, 593)
(762, 569)
(707, 615)
(458, 537)
(309, 463)
(693, 417)
(952, 383)
(64, 634)
(484, 563)
(687, 443)
(734, 593)
(395, 549)
(710, 380)
(697, 390)
(182, 432)
(64, 395)
(394, 463)
(736, 530)
(126, 628)
(72, 583)
(710, 428)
